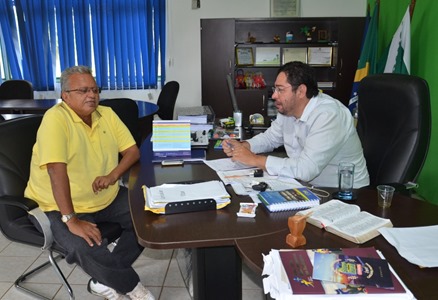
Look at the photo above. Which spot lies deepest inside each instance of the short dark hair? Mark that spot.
(298, 73)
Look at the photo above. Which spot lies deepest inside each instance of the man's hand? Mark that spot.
(229, 145)
(103, 182)
(240, 152)
(86, 230)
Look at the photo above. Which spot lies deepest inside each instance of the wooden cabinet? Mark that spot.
(330, 45)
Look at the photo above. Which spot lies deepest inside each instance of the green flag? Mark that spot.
(399, 52)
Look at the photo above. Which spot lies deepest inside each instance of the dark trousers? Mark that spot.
(113, 269)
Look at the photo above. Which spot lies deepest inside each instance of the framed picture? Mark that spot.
(244, 56)
(319, 56)
(322, 35)
(294, 54)
(267, 56)
(285, 8)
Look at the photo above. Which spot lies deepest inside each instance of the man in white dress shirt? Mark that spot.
(316, 130)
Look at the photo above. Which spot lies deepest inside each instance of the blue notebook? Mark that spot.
(291, 199)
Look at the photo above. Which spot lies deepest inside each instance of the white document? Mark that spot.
(159, 196)
(226, 164)
(243, 180)
(418, 245)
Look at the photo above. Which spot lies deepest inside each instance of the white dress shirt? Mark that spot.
(315, 144)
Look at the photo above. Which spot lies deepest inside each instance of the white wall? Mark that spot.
(183, 55)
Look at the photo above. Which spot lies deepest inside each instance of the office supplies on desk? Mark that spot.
(242, 181)
(187, 197)
(221, 133)
(290, 199)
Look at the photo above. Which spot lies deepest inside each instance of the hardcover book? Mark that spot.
(290, 199)
(346, 220)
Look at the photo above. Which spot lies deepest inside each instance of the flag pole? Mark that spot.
(412, 7)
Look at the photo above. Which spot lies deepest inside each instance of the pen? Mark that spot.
(237, 176)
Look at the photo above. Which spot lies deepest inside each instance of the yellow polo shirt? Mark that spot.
(88, 152)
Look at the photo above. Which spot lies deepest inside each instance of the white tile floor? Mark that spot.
(158, 270)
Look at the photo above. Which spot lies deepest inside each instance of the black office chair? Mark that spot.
(17, 138)
(167, 99)
(16, 89)
(127, 110)
(394, 126)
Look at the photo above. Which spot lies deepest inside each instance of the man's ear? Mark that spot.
(63, 95)
(302, 90)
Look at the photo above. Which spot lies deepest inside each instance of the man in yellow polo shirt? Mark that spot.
(74, 177)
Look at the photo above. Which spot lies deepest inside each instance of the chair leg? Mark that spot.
(51, 261)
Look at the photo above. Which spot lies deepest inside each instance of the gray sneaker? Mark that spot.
(96, 288)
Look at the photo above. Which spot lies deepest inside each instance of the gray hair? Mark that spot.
(65, 76)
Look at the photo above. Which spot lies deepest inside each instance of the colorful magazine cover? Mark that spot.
(298, 265)
(354, 270)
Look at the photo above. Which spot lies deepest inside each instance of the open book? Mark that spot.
(346, 221)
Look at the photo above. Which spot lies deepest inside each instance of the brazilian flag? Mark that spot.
(368, 58)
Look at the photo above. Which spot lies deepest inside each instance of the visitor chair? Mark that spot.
(394, 126)
(16, 89)
(167, 99)
(17, 137)
(127, 110)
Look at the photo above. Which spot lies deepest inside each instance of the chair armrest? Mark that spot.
(21, 202)
(32, 208)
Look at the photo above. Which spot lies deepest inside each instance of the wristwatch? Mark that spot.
(66, 218)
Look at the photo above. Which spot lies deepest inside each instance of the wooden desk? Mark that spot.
(404, 212)
(220, 239)
(26, 106)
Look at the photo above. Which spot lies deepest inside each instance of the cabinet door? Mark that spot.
(252, 101)
(350, 38)
(217, 60)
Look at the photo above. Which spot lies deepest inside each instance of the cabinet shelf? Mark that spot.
(221, 39)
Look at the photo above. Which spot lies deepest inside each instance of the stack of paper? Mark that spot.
(157, 197)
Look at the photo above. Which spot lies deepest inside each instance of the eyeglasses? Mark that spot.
(279, 89)
(85, 90)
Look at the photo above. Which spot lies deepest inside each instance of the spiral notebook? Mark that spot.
(290, 199)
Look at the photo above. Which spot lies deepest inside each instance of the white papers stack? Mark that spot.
(157, 197)
(241, 178)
